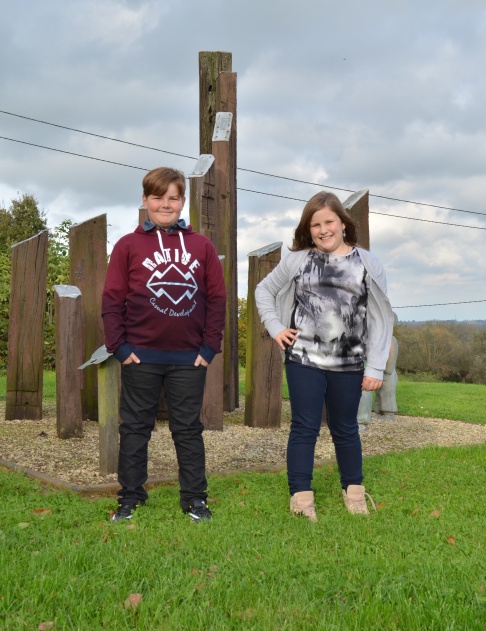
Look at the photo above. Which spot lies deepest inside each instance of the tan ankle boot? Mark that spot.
(355, 499)
(302, 503)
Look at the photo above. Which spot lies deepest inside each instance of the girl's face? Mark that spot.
(326, 231)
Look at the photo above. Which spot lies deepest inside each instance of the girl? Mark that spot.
(325, 305)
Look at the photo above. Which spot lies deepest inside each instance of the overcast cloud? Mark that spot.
(388, 96)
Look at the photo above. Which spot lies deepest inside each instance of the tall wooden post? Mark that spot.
(202, 211)
(26, 328)
(87, 254)
(69, 355)
(358, 206)
(210, 66)
(263, 398)
(226, 245)
(217, 90)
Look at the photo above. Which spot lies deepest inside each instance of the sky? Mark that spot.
(346, 95)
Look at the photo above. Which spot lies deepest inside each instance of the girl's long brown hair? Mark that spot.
(302, 237)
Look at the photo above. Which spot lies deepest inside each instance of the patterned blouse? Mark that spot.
(330, 312)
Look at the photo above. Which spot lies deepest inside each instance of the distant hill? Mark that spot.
(481, 324)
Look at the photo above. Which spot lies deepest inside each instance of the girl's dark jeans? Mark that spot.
(309, 389)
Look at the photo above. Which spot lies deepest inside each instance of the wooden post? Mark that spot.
(87, 254)
(226, 245)
(212, 407)
(109, 401)
(226, 102)
(202, 202)
(210, 66)
(203, 219)
(69, 355)
(264, 369)
(217, 91)
(358, 206)
(142, 215)
(26, 328)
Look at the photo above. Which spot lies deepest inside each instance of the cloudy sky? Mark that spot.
(387, 95)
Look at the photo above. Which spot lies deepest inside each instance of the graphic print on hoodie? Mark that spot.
(164, 291)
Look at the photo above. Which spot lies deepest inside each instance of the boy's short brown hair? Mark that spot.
(157, 181)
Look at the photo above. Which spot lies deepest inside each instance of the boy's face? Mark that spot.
(164, 210)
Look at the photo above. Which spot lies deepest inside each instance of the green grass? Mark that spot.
(433, 399)
(49, 386)
(455, 401)
(419, 563)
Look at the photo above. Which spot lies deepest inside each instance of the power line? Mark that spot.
(347, 190)
(71, 153)
(280, 177)
(130, 166)
(88, 133)
(439, 304)
(372, 212)
(79, 155)
(247, 190)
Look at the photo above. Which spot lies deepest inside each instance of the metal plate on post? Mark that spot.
(202, 166)
(222, 126)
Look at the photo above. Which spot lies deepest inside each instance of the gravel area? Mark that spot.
(35, 445)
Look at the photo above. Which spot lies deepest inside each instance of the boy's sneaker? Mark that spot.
(125, 511)
(198, 510)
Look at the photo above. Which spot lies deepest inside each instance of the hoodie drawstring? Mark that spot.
(186, 256)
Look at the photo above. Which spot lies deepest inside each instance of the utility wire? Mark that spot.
(372, 212)
(247, 190)
(71, 153)
(88, 133)
(280, 177)
(439, 304)
(79, 155)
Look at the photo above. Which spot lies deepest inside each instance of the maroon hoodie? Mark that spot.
(164, 296)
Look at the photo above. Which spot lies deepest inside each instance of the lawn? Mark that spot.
(434, 399)
(418, 563)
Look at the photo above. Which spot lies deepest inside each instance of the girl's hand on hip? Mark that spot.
(369, 384)
(286, 338)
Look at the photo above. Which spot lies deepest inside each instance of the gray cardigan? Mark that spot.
(275, 299)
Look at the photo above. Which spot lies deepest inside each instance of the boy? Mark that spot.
(163, 312)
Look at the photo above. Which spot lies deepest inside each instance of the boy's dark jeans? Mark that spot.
(184, 390)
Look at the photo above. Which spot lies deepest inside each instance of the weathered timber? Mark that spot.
(226, 245)
(26, 328)
(263, 392)
(69, 355)
(213, 401)
(87, 257)
(142, 215)
(358, 206)
(108, 402)
(226, 101)
(202, 203)
(211, 64)
(202, 217)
